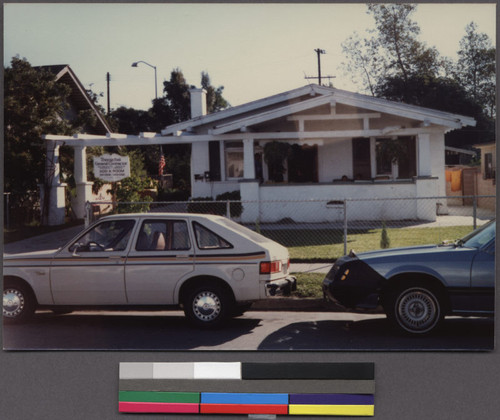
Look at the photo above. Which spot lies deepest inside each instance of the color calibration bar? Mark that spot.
(344, 389)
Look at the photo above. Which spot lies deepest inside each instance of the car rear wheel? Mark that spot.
(18, 302)
(208, 306)
(415, 309)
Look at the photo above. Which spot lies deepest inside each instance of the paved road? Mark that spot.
(256, 330)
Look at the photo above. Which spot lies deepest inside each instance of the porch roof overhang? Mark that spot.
(116, 139)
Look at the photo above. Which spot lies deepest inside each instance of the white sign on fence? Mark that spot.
(111, 167)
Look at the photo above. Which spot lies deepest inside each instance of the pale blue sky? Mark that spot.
(253, 50)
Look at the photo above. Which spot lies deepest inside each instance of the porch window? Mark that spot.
(214, 160)
(303, 164)
(361, 160)
(384, 160)
(396, 157)
(234, 159)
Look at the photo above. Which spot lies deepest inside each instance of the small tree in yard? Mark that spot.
(385, 241)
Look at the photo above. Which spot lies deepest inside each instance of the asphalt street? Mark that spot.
(255, 330)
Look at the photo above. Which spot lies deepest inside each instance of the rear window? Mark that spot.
(254, 236)
(206, 239)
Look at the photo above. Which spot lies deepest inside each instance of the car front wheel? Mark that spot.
(18, 303)
(415, 309)
(208, 306)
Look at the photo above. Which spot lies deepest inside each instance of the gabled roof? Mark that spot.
(78, 96)
(308, 97)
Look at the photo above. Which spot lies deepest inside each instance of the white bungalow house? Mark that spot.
(335, 139)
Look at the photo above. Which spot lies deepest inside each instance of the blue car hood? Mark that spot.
(406, 251)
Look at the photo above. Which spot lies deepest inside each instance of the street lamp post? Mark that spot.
(154, 67)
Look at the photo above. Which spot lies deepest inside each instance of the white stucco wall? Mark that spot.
(332, 160)
(437, 162)
(308, 203)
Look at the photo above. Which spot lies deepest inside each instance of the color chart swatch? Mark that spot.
(336, 389)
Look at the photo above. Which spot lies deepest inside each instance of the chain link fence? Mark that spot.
(322, 230)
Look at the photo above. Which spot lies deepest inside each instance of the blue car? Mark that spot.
(418, 286)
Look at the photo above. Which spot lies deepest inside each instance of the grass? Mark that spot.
(328, 244)
(309, 285)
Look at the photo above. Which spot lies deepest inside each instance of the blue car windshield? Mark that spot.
(479, 237)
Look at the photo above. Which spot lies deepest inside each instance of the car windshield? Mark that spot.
(479, 237)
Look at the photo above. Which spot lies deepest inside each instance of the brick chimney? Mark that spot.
(198, 102)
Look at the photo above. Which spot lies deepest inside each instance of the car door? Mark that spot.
(161, 256)
(483, 279)
(90, 271)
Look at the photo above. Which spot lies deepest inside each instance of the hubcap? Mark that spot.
(206, 306)
(417, 311)
(13, 303)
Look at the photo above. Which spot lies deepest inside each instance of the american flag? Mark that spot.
(161, 165)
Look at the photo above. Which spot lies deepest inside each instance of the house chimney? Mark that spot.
(198, 102)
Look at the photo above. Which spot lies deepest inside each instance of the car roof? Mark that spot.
(158, 215)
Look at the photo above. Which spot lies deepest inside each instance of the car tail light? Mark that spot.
(270, 267)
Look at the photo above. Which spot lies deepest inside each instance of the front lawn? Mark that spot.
(328, 244)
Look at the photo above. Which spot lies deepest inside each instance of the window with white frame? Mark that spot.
(233, 152)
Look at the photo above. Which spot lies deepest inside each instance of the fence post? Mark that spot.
(7, 209)
(345, 226)
(228, 209)
(87, 213)
(474, 210)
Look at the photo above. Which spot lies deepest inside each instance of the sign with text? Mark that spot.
(111, 167)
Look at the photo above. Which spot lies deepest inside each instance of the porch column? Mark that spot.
(52, 192)
(424, 155)
(248, 159)
(83, 188)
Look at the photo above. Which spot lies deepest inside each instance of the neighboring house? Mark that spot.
(336, 139)
(486, 181)
(465, 181)
(78, 100)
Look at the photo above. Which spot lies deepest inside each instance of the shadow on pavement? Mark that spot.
(377, 334)
(118, 332)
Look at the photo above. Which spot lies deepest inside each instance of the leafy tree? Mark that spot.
(215, 100)
(177, 96)
(33, 103)
(392, 50)
(363, 61)
(173, 107)
(475, 68)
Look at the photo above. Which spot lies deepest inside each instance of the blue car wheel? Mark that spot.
(416, 309)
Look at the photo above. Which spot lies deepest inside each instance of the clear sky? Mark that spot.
(253, 50)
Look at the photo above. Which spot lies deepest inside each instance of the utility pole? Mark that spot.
(319, 51)
(108, 79)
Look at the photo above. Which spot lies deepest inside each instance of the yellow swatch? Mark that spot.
(336, 410)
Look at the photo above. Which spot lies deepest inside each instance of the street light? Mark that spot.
(154, 67)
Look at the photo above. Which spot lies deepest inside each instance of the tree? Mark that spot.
(392, 50)
(32, 106)
(475, 68)
(215, 100)
(363, 61)
(177, 96)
